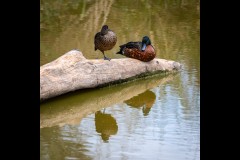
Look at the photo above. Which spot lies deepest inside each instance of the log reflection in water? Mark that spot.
(70, 109)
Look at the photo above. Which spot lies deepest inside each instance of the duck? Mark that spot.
(105, 40)
(143, 51)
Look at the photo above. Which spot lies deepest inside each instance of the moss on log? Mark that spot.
(73, 71)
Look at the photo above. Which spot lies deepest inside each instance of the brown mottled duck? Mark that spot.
(105, 40)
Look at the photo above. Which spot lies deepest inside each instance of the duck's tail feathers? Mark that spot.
(119, 52)
(121, 49)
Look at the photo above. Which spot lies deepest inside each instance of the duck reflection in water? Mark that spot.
(144, 100)
(105, 124)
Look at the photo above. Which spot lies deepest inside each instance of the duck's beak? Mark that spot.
(144, 46)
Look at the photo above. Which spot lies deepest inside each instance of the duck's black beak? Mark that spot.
(144, 46)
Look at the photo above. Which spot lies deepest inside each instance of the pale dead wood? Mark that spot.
(73, 71)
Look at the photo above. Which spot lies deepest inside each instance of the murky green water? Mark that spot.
(156, 117)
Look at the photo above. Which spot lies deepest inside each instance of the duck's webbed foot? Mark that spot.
(106, 58)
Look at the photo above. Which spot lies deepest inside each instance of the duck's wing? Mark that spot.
(96, 39)
(137, 45)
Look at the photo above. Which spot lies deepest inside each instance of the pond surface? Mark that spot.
(156, 117)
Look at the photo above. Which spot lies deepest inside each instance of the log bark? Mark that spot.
(72, 71)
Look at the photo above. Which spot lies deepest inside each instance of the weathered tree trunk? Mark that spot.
(73, 71)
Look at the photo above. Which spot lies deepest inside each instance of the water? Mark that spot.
(156, 117)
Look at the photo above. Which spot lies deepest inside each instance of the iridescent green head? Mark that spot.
(145, 41)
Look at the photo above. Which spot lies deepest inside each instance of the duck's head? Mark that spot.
(145, 41)
(104, 29)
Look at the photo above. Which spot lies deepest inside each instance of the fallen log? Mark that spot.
(72, 71)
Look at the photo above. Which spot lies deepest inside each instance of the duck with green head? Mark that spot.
(105, 40)
(142, 51)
